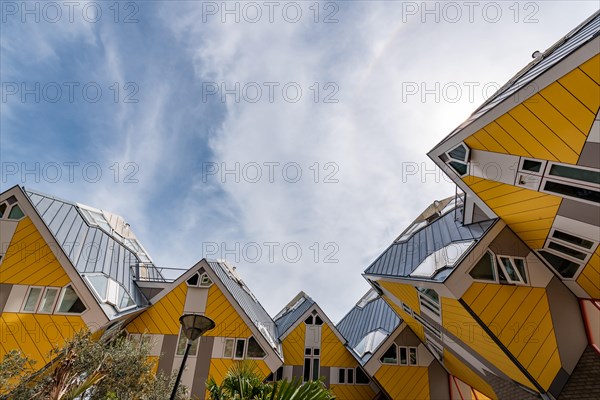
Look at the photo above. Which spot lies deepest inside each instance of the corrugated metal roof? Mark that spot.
(581, 35)
(403, 257)
(242, 294)
(289, 315)
(89, 248)
(360, 321)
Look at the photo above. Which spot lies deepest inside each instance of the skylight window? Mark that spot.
(442, 258)
(370, 342)
(111, 292)
(96, 218)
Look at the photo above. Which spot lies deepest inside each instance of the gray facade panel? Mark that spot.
(579, 211)
(4, 293)
(205, 346)
(165, 362)
(438, 382)
(589, 155)
(507, 243)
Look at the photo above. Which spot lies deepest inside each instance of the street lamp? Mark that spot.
(193, 326)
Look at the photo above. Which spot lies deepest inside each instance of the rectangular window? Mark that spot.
(361, 377)
(578, 193)
(182, 344)
(48, 300)
(240, 347)
(513, 268)
(572, 239)
(315, 371)
(531, 166)
(306, 369)
(308, 351)
(566, 268)
(403, 356)
(33, 298)
(412, 356)
(577, 174)
(228, 348)
(407, 309)
(567, 250)
(342, 375)
(350, 376)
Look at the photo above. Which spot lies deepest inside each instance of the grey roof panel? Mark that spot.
(253, 309)
(402, 258)
(287, 319)
(375, 315)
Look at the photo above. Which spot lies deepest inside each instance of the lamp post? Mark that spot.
(193, 326)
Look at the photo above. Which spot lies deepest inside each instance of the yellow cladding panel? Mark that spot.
(352, 392)
(403, 292)
(412, 323)
(551, 125)
(30, 261)
(592, 68)
(467, 375)
(528, 213)
(404, 383)
(333, 351)
(227, 320)
(293, 346)
(163, 316)
(589, 279)
(220, 366)
(480, 396)
(459, 322)
(520, 318)
(35, 335)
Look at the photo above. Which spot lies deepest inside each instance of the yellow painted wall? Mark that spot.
(589, 279)
(467, 375)
(406, 293)
(333, 351)
(460, 323)
(228, 321)
(402, 382)
(352, 392)
(163, 316)
(551, 125)
(30, 261)
(527, 212)
(220, 366)
(412, 323)
(520, 317)
(293, 346)
(36, 334)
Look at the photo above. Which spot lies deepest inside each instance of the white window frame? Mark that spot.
(246, 351)
(38, 301)
(570, 183)
(465, 161)
(522, 280)
(63, 290)
(572, 245)
(494, 269)
(232, 340)
(191, 353)
(312, 357)
(428, 326)
(237, 340)
(397, 356)
(54, 302)
(406, 308)
(427, 304)
(201, 281)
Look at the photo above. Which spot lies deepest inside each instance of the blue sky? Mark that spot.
(381, 83)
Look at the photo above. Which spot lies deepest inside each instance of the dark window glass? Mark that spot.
(71, 303)
(350, 376)
(193, 281)
(307, 351)
(390, 356)
(306, 369)
(575, 173)
(239, 348)
(309, 320)
(412, 356)
(2, 209)
(567, 250)
(512, 273)
(484, 269)
(458, 153)
(315, 371)
(533, 166)
(403, 356)
(316, 352)
(460, 168)
(361, 377)
(269, 378)
(254, 349)
(318, 320)
(573, 239)
(342, 375)
(279, 374)
(564, 267)
(573, 191)
(521, 267)
(15, 212)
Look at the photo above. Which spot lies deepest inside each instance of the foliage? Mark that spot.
(86, 368)
(244, 381)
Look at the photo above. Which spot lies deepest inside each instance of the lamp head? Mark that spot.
(195, 325)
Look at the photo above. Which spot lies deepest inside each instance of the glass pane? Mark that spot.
(205, 281)
(32, 299)
(567, 250)
(460, 168)
(240, 346)
(575, 173)
(315, 371)
(412, 356)
(533, 166)
(350, 376)
(565, 268)
(228, 350)
(306, 369)
(194, 348)
(47, 304)
(181, 343)
(403, 356)
(279, 373)
(342, 375)
(193, 281)
(307, 351)
(573, 191)
(361, 377)
(318, 320)
(70, 302)
(316, 352)
(2, 209)
(390, 356)
(573, 239)
(15, 213)
(484, 269)
(125, 301)
(309, 320)
(512, 273)
(520, 263)
(254, 349)
(458, 153)
(100, 284)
